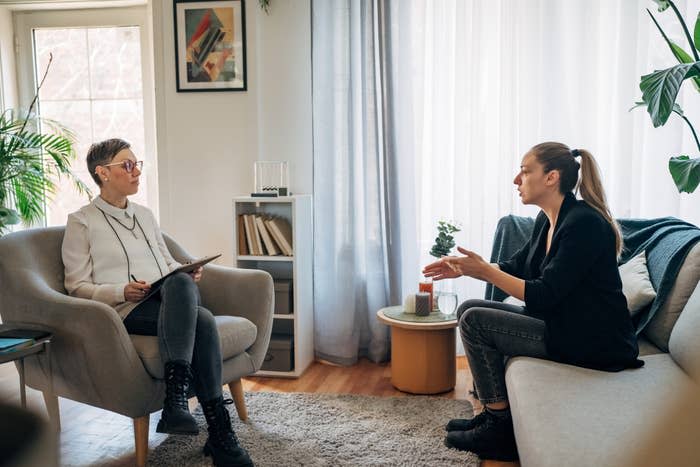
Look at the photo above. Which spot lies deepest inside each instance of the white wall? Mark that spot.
(208, 142)
(8, 98)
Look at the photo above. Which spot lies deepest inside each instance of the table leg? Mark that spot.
(22, 389)
(423, 362)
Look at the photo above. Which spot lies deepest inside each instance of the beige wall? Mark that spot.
(208, 142)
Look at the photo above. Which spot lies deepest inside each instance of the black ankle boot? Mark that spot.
(492, 438)
(466, 424)
(176, 418)
(222, 444)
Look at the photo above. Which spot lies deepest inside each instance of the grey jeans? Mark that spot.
(492, 331)
(186, 331)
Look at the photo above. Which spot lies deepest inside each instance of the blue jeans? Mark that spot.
(492, 331)
(186, 331)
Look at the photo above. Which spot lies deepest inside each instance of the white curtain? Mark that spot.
(468, 87)
(477, 83)
(353, 273)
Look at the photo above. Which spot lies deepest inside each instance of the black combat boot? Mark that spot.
(492, 438)
(222, 444)
(176, 418)
(466, 424)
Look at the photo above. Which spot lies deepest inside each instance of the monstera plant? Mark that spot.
(34, 153)
(660, 90)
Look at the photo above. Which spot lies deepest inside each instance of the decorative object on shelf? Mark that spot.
(660, 90)
(271, 178)
(34, 154)
(423, 305)
(210, 45)
(444, 242)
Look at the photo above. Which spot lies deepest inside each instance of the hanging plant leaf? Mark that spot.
(685, 172)
(696, 32)
(663, 4)
(660, 88)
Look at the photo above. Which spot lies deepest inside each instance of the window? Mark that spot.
(95, 87)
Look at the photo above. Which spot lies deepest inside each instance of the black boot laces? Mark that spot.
(222, 432)
(177, 384)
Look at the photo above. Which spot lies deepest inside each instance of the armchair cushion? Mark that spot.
(236, 334)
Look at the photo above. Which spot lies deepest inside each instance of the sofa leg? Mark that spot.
(236, 388)
(51, 402)
(141, 439)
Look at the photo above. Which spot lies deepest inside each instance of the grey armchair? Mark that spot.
(93, 359)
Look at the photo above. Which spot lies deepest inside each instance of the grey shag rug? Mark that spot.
(332, 430)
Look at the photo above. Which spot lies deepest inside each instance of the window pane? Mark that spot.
(115, 62)
(68, 76)
(76, 116)
(105, 102)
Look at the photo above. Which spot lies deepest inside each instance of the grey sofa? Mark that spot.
(565, 415)
(93, 359)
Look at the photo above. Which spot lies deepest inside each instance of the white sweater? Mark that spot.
(95, 263)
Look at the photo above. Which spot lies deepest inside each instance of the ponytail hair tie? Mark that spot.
(576, 153)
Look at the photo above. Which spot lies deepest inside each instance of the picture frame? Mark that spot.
(210, 45)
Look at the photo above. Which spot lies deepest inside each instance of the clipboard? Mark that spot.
(187, 267)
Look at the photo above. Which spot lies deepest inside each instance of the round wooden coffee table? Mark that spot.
(422, 350)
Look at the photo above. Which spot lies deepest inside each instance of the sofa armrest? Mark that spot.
(91, 352)
(248, 293)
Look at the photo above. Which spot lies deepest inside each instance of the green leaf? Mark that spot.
(663, 4)
(696, 32)
(8, 217)
(685, 173)
(660, 88)
(683, 57)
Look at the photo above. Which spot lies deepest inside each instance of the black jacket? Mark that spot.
(576, 289)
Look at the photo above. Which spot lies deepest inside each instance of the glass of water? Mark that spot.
(447, 302)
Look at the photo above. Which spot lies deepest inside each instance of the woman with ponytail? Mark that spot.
(566, 275)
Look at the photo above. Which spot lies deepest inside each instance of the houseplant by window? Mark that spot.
(34, 153)
(660, 90)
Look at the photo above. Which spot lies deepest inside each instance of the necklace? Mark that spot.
(130, 229)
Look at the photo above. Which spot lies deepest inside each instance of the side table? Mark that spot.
(42, 344)
(423, 350)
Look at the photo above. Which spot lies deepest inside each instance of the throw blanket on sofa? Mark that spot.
(664, 259)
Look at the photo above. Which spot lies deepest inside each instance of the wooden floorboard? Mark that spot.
(91, 436)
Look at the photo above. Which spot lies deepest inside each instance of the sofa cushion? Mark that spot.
(684, 345)
(235, 333)
(566, 415)
(646, 347)
(636, 285)
(659, 328)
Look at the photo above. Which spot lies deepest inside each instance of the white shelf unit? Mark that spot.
(297, 210)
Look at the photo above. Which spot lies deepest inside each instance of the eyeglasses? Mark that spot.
(127, 165)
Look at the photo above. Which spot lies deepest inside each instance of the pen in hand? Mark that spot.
(134, 279)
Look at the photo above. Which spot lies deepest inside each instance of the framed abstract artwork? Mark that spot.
(210, 47)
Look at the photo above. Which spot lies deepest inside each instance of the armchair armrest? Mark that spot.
(248, 293)
(91, 352)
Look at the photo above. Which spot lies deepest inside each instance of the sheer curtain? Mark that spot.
(468, 87)
(480, 82)
(354, 264)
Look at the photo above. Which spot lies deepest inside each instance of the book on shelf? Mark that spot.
(240, 231)
(252, 235)
(10, 344)
(282, 233)
(265, 235)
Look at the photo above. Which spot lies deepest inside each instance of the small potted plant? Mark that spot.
(444, 242)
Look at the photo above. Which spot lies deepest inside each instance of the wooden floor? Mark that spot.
(91, 436)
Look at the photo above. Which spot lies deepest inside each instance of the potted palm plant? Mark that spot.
(660, 90)
(34, 153)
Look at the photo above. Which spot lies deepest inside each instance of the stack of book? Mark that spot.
(12, 340)
(263, 235)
